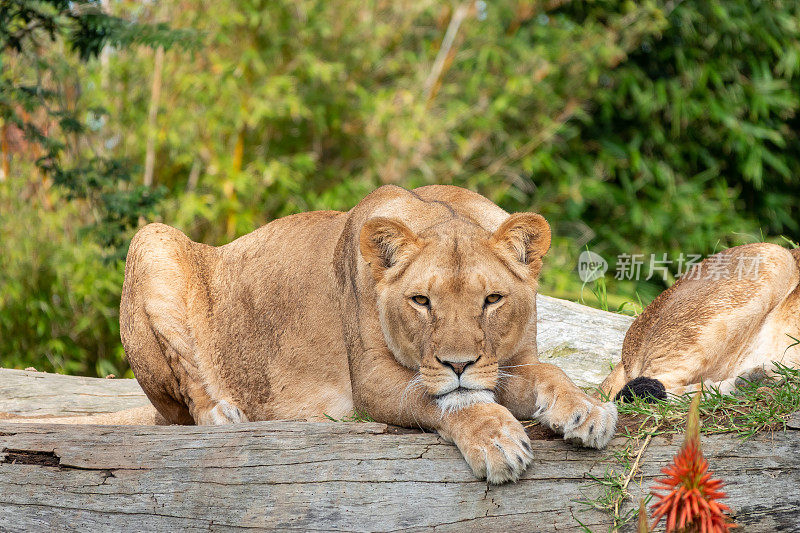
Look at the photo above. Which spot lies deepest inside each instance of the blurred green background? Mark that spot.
(634, 127)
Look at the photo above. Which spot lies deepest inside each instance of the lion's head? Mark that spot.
(455, 301)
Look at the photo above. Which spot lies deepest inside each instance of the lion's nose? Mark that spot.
(457, 366)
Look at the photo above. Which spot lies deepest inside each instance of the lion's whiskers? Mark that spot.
(414, 384)
(502, 380)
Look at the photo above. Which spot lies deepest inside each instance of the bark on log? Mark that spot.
(340, 476)
(43, 395)
(584, 342)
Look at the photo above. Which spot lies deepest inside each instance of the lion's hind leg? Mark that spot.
(729, 385)
(162, 290)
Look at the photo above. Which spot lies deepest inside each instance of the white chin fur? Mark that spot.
(459, 399)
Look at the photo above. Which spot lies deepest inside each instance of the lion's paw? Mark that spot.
(581, 419)
(222, 413)
(496, 447)
(594, 428)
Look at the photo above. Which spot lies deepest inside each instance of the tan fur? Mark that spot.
(715, 328)
(137, 416)
(313, 315)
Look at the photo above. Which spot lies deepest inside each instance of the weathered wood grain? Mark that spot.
(39, 394)
(339, 476)
(584, 342)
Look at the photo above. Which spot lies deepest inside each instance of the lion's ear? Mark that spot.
(386, 242)
(523, 238)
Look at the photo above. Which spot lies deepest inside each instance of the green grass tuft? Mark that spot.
(757, 405)
(355, 416)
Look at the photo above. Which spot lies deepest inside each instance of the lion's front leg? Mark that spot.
(492, 441)
(544, 392)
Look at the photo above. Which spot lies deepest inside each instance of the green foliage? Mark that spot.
(59, 289)
(647, 127)
(84, 27)
(755, 406)
(59, 296)
(691, 144)
(355, 416)
(317, 112)
(28, 30)
(105, 184)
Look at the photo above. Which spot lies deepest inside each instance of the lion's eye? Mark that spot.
(421, 300)
(493, 299)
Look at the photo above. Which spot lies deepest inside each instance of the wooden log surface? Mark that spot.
(327, 476)
(342, 476)
(42, 395)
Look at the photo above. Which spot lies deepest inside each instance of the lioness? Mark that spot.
(730, 316)
(418, 308)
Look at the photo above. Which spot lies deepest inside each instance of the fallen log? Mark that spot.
(42, 395)
(342, 476)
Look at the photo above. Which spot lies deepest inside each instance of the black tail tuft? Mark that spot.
(648, 389)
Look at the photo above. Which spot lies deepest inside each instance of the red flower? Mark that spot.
(692, 501)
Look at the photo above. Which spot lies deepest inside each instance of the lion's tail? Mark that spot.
(138, 416)
(615, 381)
